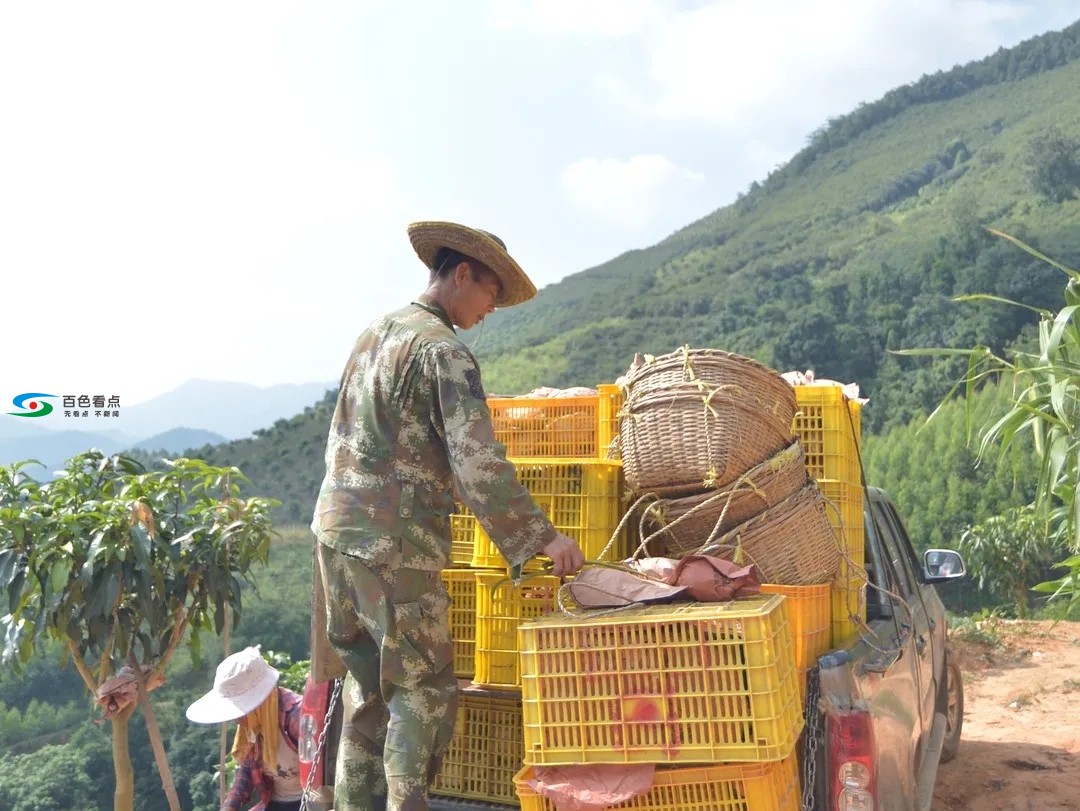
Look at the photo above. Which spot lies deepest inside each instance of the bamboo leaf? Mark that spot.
(1038, 255)
(1001, 300)
(1057, 454)
(933, 351)
(1054, 339)
(1050, 587)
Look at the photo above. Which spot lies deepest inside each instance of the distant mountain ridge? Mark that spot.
(232, 410)
(196, 414)
(177, 440)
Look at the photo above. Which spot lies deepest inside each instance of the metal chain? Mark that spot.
(814, 738)
(320, 746)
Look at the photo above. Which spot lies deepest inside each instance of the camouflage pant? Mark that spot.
(390, 628)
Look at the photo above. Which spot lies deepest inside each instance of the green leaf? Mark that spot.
(58, 579)
(931, 352)
(140, 544)
(15, 591)
(111, 592)
(95, 549)
(11, 561)
(1000, 300)
(1054, 340)
(1025, 247)
(1059, 393)
(1051, 587)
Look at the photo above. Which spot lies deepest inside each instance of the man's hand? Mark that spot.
(565, 554)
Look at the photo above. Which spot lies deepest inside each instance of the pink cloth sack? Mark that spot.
(592, 787)
(601, 587)
(712, 580)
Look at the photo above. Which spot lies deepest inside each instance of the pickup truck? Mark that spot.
(882, 712)
(893, 700)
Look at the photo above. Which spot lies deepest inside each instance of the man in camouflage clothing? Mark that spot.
(410, 429)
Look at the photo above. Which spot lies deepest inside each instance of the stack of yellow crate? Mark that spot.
(563, 451)
(829, 427)
(707, 692)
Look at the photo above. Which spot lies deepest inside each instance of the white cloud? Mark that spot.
(602, 18)
(627, 192)
(156, 167)
(733, 63)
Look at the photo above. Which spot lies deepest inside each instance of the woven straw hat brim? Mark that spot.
(429, 237)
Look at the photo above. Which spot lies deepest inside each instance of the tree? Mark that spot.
(121, 566)
(1044, 402)
(1009, 554)
(1054, 165)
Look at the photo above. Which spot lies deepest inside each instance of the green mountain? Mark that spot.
(856, 247)
(177, 439)
(284, 461)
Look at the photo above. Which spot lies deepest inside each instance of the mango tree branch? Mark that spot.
(106, 654)
(177, 636)
(81, 666)
(155, 737)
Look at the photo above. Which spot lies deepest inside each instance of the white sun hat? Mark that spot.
(242, 683)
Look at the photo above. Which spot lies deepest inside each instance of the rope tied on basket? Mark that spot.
(765, 485)
(696, 418)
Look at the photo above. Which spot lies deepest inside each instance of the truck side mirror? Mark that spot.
(943, 564)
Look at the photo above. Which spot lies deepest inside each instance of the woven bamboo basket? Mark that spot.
(792, 543)
(700, 418)
(691, 522)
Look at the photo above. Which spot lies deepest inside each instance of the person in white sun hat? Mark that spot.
(265, 747)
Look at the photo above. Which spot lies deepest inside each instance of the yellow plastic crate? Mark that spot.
(462, 537)
(610, 399)
(844, 507)
(688, 683)
(570, 427)
(810, 617)
(486, 750)
(830, 429)
(499, 611)
(581, 497)
(721, 787)
(461, 585)
(848, 599)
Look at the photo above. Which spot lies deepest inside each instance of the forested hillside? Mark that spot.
(855, 247)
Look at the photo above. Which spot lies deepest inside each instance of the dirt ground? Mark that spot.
(1020, 746)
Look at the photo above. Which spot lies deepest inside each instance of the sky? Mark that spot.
(220, 190)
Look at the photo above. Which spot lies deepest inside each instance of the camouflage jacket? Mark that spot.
(411, 426)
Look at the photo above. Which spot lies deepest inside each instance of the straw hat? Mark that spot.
(429, 237)
(242, 683)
